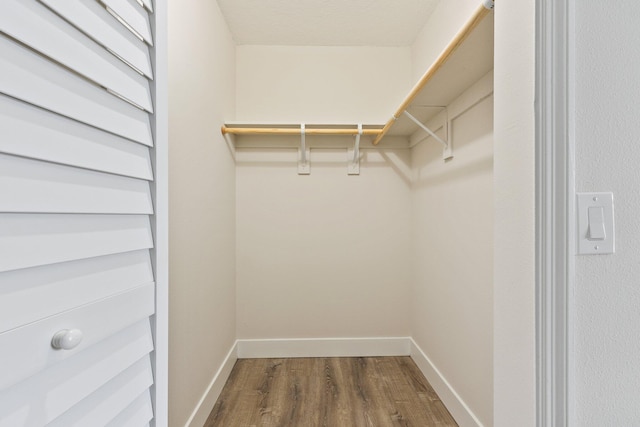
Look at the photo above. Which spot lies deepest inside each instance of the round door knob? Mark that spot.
(66, 339)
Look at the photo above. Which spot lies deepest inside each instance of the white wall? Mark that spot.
(452, 227)
(514, 198)
(606, 294)
(447, 18)
(452, 254)
(202, 202)
(316, 84)
(324, 255)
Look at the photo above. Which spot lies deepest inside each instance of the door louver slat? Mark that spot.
(35, 186)
(31, 294)
(93, 20)
(31, 240)
(39, 134)
(133, 15)
(137, 414)
(38, 81)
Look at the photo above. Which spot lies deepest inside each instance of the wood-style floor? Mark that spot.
(331, 392)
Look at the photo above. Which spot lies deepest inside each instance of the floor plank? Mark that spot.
(328, 392)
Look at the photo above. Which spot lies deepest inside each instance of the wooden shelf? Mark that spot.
(467, 58)
(239, 128)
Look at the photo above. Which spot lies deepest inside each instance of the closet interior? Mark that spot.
(363, 201)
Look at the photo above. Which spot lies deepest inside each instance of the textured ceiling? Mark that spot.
(326, 22)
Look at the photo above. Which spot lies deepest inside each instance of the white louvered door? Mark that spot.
(78, 213)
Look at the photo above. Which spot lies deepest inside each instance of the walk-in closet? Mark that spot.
(360, 199)
(334, 194)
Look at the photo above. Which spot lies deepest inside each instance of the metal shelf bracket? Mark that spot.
(304, 167)
(448, 149)
(353, 155)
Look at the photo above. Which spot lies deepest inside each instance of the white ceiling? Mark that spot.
(326, 22)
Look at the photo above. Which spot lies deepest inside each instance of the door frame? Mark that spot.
(555, 209)
(160, 222)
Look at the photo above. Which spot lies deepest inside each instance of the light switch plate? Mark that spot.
(589, 241)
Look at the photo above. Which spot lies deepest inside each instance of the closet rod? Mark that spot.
(296, 131)
(482, 11)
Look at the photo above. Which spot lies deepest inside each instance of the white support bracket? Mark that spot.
(448, 149)
(304, 167)
(353, 155)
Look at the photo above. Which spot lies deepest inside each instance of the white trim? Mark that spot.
(208, 400)
(324, 347)
(445, 391)
(555, 211)
(160, 219)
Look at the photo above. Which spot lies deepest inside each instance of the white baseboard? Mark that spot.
(454, 403)
(324, 347)
(209, 398)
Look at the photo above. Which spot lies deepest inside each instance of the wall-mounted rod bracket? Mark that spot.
(489, 4)
(448, 149)
(353, 155)
(304, 167)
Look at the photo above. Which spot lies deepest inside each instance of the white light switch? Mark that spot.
(595, 223)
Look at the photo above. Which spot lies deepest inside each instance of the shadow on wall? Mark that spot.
(472, 151)
(327, 160)
(468, 169)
